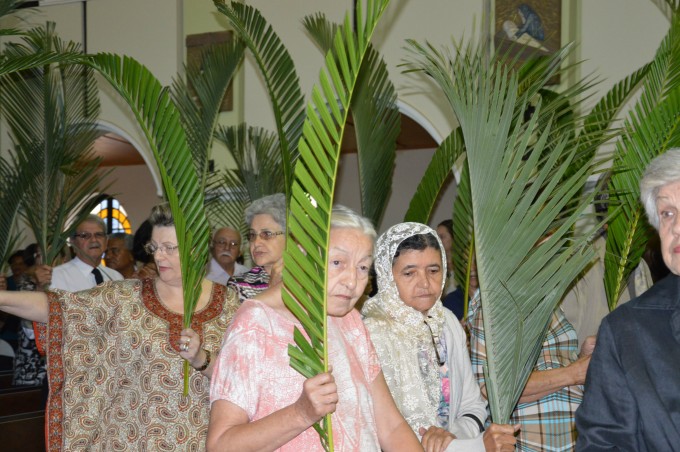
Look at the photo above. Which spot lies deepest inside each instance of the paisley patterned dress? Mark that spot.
(115, 374)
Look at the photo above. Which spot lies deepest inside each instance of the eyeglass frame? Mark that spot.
(168, 250)
(435, 345)
(224, 243)
(89, 235)
(264, 235)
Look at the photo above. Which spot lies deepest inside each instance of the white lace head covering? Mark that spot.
(387, 300)
(386, 314)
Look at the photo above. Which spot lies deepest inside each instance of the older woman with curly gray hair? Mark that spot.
(266, 218)
(632, 394)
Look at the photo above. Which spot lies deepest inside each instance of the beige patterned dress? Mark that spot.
(115, 374)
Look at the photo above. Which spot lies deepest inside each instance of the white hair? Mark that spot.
(663, 170)
(344, 217)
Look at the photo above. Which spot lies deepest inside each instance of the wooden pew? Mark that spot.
(23, 432)
(22, 419)
(6, 378)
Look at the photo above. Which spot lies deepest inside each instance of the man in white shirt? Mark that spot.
(85, 270)
(225, 249)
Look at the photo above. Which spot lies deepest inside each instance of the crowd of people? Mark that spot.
(103, 332)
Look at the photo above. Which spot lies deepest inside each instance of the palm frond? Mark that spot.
(376, 119)
(523, 211)
(10, 199)
(650, 129)
(160, 122)
(437, 172)
(257, 174)
(312, 193)
(225, 200)
(42, 57)
(51, 111)
(210, 80)
(648, 133)
(462, 230)
(280, 77)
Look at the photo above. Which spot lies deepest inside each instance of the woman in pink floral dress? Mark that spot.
(260, 403)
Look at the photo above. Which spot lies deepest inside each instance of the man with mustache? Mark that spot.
(85, 270)
(225, 248)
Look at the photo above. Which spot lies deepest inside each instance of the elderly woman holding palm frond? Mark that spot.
(115, 355)
(259, 402)
(632, 397)
(422, 347)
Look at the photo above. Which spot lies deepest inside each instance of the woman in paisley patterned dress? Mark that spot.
(421, 345)
(115, 356)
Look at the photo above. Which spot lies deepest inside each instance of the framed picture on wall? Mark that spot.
(527, 28)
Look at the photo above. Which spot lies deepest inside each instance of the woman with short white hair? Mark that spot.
(632, 392)
(260, 403)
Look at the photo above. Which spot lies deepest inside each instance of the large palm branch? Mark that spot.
(650, 129)
(280, 78)
(312, 194)
(533, 75)
(11, 193)
(376, 121)
(210, 79)
(51, 111)
(257, 174)
(159, 119)
(523, 211)
(17, 63)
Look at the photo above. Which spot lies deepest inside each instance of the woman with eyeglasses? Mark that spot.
(115, 355)
(266, 218)
(421, 345)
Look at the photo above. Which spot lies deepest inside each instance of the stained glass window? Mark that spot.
(113, 214)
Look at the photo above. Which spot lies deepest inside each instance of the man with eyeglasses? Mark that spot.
(85, 270)
(225, 249)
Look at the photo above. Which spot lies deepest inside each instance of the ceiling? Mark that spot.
(117, 151)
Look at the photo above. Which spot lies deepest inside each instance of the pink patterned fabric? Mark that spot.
(253, 372)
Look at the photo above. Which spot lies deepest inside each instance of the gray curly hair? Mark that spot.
(274, 205)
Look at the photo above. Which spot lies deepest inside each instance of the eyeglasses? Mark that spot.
(264, 235)
(226, 243)
(168, 250)
(89, 235)
(437, 345)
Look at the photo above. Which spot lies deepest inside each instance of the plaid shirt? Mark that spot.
(548, 423)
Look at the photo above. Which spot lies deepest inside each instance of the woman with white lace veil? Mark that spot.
(422, 348)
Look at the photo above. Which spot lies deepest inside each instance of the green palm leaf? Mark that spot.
(462, 231)
(225, 199)
(312, 194)
(376, 121)
(650, 130)
(437, 172)
(10, 197)
(278, 71)
(210, 80)
(524, 214)
(160, 122)
(258, 173)
(648, 134)
(17, 63)
(51, 112)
